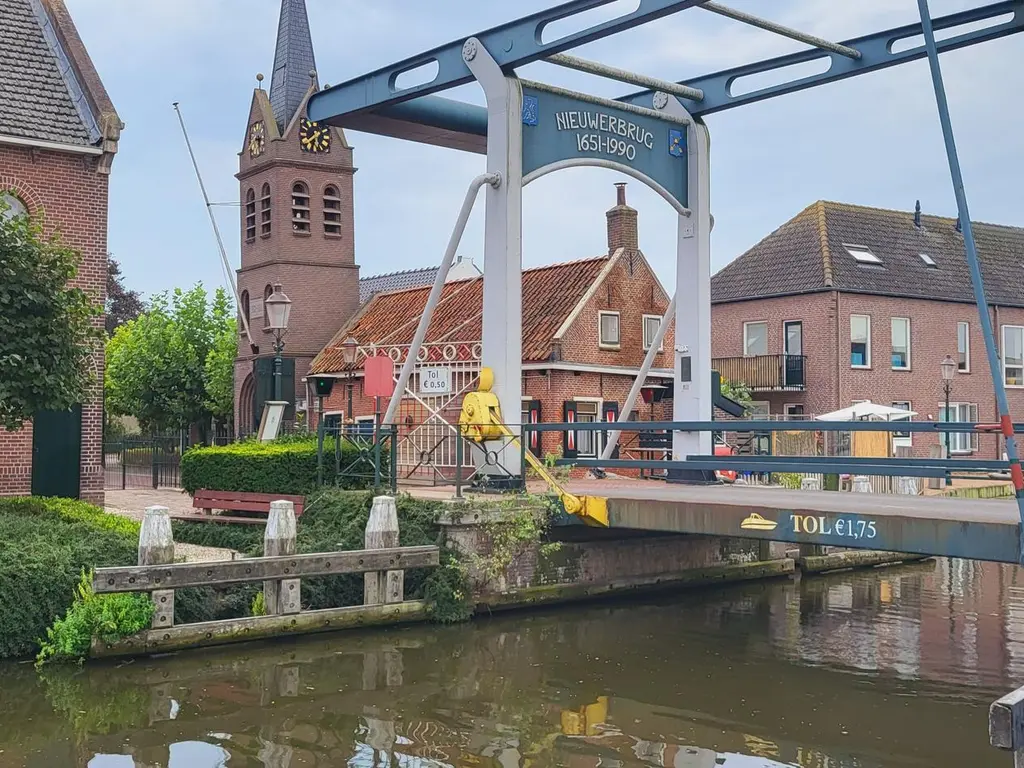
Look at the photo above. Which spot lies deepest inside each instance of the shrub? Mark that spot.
(47, 543)
(286, 467)
(108, 617)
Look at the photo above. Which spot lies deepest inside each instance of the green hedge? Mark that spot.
(47, 543)
(287, 467)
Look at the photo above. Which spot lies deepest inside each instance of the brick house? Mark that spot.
(586, 328)
(297, 225)
(845, 303)
(58, 137)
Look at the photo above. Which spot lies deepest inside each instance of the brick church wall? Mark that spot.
(72, 194)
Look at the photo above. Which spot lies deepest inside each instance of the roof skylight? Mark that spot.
(862, 254)
(928, 260)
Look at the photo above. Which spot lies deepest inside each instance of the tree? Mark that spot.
(48, 333)
(122, 305)
(170, 367)
(739, 392)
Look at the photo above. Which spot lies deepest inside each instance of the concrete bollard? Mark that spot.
(382, 533)
(861, 484)
(810, 484)
(156, 547)
(281, 596)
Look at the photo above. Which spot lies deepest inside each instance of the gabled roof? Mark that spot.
(395, 281)
(293, 61)
(49, 90)
(810, 253)
(550, 294)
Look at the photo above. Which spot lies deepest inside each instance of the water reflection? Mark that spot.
(893, 667)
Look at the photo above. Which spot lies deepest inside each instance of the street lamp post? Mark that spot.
(349, 350)
(278, 308)
(948, 366)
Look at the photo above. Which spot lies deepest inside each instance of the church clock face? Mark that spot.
(257, 139)
(314, 137)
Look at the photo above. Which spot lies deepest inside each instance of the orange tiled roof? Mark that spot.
(550, 293)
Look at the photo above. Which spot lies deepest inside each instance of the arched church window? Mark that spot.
(267, 292)
(332, 211)
(11, 206)
(245, 307)
(265, 211)
(250, 215)
(300, 208)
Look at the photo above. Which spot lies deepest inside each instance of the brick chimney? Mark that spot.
(622, 223)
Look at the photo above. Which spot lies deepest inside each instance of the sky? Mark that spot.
(871, 140)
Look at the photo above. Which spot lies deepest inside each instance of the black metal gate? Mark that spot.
(144, 462)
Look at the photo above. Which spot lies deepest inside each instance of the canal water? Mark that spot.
(892, 667)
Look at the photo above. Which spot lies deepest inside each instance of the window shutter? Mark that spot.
(533, 414)
(611, 415)
(569, 450)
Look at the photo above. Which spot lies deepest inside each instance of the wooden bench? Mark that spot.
(236, 501)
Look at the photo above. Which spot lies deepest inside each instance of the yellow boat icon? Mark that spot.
(757, 523)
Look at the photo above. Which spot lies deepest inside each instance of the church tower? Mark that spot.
(297, 227)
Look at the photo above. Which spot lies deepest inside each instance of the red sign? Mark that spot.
(379, 372)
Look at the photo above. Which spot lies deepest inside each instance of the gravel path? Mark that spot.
(133, 504)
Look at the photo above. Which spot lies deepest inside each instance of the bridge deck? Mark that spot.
(979, 529)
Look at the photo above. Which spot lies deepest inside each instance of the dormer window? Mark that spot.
(300, 208)
(862, 254)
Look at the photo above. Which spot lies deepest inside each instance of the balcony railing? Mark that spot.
(765, 373)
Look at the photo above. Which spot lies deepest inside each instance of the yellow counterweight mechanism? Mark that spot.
(480, 421)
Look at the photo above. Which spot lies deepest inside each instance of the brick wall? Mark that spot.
(72, 193)
(832, 383)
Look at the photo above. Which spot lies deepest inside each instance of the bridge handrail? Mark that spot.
(770, 426)
(884, 467)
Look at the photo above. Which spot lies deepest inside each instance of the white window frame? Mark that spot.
(755, 405)
(957, 439)
(787, 406)
(617, 344)
(892, 329)
(906, 440)
(862, 254)
(867, 348)
(967, 347)
(594, 436)
(650, 341)
(746, 337)
(1003, 350)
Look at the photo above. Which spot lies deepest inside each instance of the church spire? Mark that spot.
(293, 62)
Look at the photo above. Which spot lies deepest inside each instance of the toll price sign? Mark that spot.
(436, 380)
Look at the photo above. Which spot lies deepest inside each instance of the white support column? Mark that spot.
(503, 239)
(692, 388)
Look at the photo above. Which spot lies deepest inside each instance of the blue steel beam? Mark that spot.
(512, 45)
(875, 52)
(464, 126)
(729, 463)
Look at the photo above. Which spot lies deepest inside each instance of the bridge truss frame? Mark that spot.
(375, 103)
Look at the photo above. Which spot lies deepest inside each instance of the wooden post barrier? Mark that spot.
(382, 533)
(281, 597)
(156, 547)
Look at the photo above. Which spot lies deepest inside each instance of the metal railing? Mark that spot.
(765, 372)
(878, 466)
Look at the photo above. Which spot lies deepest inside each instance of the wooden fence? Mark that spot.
(383, 564)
